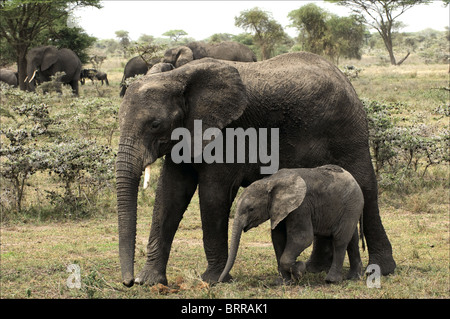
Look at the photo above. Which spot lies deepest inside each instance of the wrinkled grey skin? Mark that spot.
(9, 77)
(160, 67)
(301, 203)
(135, 66)
(48, 60)
(320, 120)
(228, 50)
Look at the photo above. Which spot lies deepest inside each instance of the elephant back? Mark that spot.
(198, 50)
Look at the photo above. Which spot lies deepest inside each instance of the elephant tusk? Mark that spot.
(146, 176)
(32, 78)
(25, 79)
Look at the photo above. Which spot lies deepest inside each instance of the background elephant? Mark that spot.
(44, 62)
(300, 203)
(320, 120)
(135, 66)
(93, 74)
(228, 50)
(87, 74)
(9, 77)
(102, 76)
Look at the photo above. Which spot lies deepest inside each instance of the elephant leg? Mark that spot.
(335, 272)
(299, 236)
(176, 186)
(279, 240)
(321, 255)
(216, 198)
(289, 267)
(354, 257)
(74, 86)
(379, 247)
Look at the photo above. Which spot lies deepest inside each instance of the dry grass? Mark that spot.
(35, 261)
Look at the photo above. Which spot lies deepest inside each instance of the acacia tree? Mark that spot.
(267, 31)
(309, 20)
(124, 40)
(22, 21)
(175, 35)
(382, 15)
(327, 34)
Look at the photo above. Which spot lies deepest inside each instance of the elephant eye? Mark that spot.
(155, 125)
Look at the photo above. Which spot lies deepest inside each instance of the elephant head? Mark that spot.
(38, 60)
(178, 56)
(271, 198)
(153, 107)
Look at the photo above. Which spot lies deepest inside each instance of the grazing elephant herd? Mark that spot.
(325, 184)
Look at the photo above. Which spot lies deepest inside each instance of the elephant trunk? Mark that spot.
(238, 226)
(128, 173)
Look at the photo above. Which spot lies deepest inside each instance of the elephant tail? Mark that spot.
(361, 232)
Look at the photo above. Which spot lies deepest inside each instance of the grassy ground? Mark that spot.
(35, 254)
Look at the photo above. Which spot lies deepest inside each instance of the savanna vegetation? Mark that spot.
(57, 185)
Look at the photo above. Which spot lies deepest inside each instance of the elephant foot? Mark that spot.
(298, 270)
(150, 277)
(333, 277)
(355, 273)
(386, 262)
(316, 266)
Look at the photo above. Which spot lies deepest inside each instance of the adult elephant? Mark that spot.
(135, 66)
(44, 62)
(9, 77)
(320, 121)
(228, 50)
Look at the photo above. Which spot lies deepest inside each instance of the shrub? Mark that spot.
(20, 158)
(399, 151)
(33, 141)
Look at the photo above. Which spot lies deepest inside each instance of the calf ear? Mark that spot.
(286, 193)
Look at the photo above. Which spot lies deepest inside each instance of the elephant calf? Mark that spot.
(301, 203)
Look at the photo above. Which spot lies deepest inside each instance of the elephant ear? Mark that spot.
(183, 56)
(286, 191)
(49, 58)
(213, 93)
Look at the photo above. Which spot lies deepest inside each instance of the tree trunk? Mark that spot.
(22, 66)
(390, 49)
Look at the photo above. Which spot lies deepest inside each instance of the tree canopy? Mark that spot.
(175, 35)
(267, 31)
(382, 16)
(327, 34)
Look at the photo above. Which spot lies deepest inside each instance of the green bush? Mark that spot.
(33, 141)
(400, 152)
